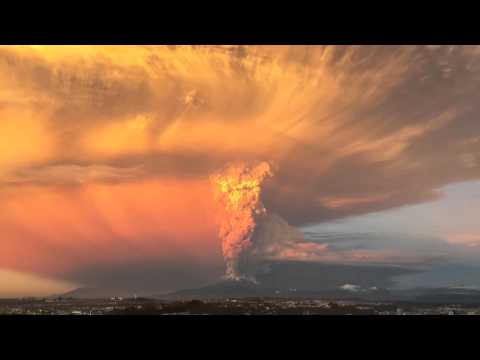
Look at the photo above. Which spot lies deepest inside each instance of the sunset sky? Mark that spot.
(106, 154)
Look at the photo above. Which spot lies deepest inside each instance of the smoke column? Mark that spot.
(238, 189)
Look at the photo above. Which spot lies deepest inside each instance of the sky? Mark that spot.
(107, 153)
(440, 238)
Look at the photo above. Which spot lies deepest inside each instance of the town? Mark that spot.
(239, 306)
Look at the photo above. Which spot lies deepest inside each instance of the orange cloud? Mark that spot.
(466, 239)
(16, 284)
(24, 138)
(59, 230)
(332, 202)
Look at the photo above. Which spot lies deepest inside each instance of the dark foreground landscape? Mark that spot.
(247, 298)
(244, 306)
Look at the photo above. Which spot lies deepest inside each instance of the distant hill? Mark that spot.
(247, 289)
(451, 295)
(279, 279)
(223, 289)
(95, 293)
(320, 276)
(306, 280)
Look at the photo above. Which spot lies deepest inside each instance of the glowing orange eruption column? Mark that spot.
(238, 189)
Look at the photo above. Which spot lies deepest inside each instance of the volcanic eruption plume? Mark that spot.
(248, 232)
(238, 189)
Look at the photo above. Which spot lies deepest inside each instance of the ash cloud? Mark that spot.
(250, 234)
(324, 113)
(353, 129)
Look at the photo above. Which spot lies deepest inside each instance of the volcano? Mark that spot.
(246, 289)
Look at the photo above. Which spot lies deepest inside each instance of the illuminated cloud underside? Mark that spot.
(15, 284)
